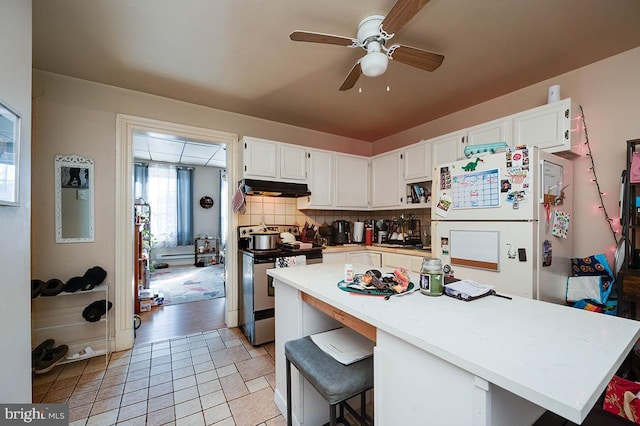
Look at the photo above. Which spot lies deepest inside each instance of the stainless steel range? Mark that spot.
(257, 294)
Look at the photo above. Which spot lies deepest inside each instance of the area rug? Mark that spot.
(188, 284)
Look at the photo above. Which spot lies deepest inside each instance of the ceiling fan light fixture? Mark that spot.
(374, 62)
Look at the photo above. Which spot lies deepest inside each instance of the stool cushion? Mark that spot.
(336, 382)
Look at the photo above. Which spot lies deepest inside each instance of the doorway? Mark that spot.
(125, 129)
(177, 185)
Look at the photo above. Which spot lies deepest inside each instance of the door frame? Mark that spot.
(125, 127)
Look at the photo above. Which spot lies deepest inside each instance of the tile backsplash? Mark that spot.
(278, 210)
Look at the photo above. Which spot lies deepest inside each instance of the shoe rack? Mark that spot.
(60, 318)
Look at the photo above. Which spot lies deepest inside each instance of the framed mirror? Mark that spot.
(74, 199)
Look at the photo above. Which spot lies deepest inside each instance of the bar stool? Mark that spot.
(336, 382)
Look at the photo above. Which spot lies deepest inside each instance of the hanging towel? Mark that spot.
(238, 202)
(289, 261)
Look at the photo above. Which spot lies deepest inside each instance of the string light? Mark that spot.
(595, 179)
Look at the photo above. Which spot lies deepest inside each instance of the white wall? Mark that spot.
(15, 303)
(609, 92)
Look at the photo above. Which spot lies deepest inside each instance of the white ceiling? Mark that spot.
(171, 149)
(236, 55)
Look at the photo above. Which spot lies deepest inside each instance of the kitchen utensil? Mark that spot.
(401, 294)
(264, 240)
(287, 237)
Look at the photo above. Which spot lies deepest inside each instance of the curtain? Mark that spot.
(162, 193)
(184, 206)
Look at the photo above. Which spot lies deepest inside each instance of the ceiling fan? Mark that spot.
(373, 34)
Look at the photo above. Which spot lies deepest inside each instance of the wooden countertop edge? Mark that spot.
(356, 324)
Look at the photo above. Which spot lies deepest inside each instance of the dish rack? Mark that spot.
(405, 232)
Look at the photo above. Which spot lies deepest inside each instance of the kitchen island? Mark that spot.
(439, 360)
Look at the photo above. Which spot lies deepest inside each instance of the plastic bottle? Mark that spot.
(431, 277)
(348, 273)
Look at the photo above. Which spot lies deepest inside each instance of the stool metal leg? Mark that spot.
(363, 411)
(289, 408)
(332, 415)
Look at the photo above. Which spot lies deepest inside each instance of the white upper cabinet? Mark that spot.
(260, 158)
(555, 127)
(270, 160)
(293, 163)
(417, 162)
(386, 180)
(351, 181)
(320, 180)
(447, 148)
(490, 132)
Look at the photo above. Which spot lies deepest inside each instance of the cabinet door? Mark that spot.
(555, 127)
(369, 258)
(386, 180)
(491, 132)
(393, 260)
(446, 148)
(340, 257)
(352, 181)
(417, 162)
(320, 178)
(260, 158)
(293, 163)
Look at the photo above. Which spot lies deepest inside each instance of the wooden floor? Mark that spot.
(165, 322)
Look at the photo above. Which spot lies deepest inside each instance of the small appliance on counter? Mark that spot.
(342, 232)
(326, 236)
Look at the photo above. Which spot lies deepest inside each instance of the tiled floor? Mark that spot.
(207, 378)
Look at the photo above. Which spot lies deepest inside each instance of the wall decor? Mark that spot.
(206, 202)
(9, 155)
(74, 199)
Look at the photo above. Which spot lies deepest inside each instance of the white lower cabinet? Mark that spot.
(338, 257)
(60, 318)
(394, 260)
(371, 258)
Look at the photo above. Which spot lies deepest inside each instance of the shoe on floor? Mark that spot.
(50, 359)
(85, 353)
(41, 350)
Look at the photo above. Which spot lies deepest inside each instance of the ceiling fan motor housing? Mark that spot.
(375, 62)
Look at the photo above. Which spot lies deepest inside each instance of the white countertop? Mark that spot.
(555, 356)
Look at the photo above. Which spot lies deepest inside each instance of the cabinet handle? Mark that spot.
(566, 134)
(566, 113)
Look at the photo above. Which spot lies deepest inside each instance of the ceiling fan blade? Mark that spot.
(401, 13)
(321, 38)
(351, 79)
(418, 58)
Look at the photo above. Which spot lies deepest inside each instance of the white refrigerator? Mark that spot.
(504, 219)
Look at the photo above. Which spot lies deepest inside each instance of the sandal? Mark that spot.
(53, 287)
(41, 350)
(85, 353)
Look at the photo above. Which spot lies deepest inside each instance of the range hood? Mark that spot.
(274, 189)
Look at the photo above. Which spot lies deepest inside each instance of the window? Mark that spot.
(169, 192)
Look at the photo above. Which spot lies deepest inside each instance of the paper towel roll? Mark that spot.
(358, 229)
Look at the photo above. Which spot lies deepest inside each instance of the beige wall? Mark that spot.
(15, 303)
(73, 116)
(609, 92)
